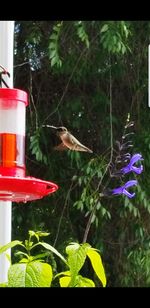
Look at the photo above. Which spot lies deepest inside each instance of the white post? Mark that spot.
(6, 60)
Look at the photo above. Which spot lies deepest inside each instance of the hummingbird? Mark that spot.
(68, 140)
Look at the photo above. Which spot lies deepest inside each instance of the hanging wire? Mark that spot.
(3, 72)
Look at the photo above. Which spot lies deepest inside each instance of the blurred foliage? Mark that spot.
(70, 69)
(30, 271)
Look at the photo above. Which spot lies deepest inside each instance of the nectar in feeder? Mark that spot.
(12, 131)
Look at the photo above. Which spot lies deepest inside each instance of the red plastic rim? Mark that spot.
(24, 189)
(14, 94)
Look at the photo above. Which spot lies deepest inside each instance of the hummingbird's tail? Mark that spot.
(82, 148)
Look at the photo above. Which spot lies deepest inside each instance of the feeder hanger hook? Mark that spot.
(3, 72)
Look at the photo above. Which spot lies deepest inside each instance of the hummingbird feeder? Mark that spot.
(14, 184)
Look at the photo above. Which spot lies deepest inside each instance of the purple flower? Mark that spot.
(122, 189)
(130, 167)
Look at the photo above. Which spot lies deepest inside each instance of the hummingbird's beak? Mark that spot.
(51, 126)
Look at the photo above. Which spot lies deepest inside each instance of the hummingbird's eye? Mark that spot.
(62, 129)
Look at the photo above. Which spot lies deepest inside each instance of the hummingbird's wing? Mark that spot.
(48, 140)
(60, 147)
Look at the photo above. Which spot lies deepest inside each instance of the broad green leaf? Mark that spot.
(97, 265)
(85, 282)
(34, 274)
(64, 281)
(3, 285)
(72, 247)
(52, 249)
(76, 259)
(80, 282)
(10, 245)
(16, 275)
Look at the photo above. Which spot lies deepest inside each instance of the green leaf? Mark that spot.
(64, 281)
(80, 181)
(59, 64)
(33, 141)
(72, 248)
(104, 28)
(31, 233)
(123, 49)
(82, 33)
(41, 233)
(85, 282)
(52, 249)
(25, 260)
(10, 245)
(52, 53)
(39, 155)
(34, 274)
(103, 211)
(97, 265)
(54, 60)
(52, 45)
(3, 285)
(93, 218)
(76, 259)
(57, 27)
(20, 253)
(66, 273)
(80, 281)
(98, 205)
(35, 149)
(8, 257)
(74, 178)
(54, 36)
(41, 255)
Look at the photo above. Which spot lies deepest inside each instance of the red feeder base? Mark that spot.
(25, 189)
